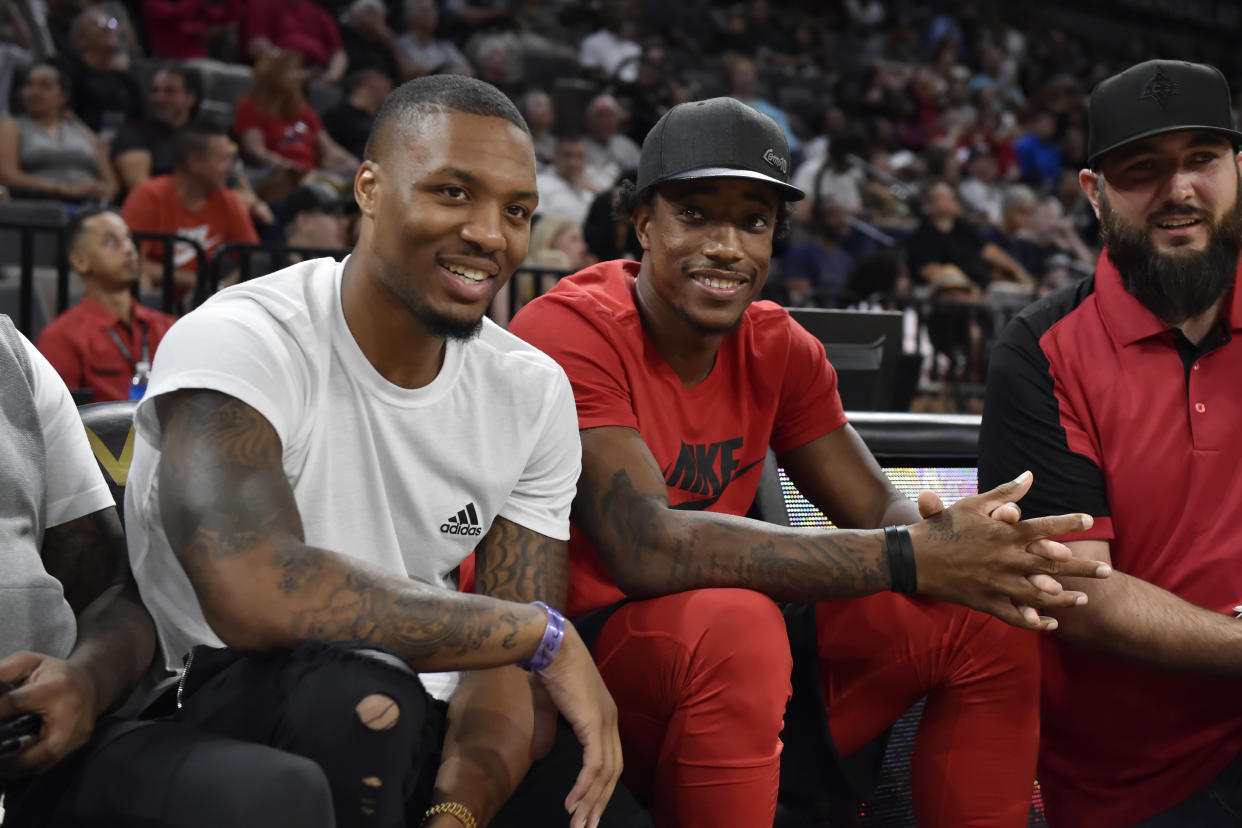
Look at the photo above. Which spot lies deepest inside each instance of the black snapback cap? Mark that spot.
(716, 138)
(1156, 97)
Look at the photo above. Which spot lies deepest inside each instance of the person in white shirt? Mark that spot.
(320, 448)
(567, 189)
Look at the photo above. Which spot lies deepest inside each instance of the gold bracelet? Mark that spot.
(452, 809)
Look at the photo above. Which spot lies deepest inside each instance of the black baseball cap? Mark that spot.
(716, 138)
(1156, 97)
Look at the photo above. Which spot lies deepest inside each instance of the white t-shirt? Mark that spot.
(408, 480)
(33, 610)
(75, 486)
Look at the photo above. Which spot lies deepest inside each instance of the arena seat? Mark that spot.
(110, 430)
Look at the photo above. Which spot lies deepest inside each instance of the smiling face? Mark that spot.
(1171, 219)
(1174, 187)
(707, 246)
(170, 101)
(446, 213)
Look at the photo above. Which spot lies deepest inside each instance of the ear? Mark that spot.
(367, 186)
(77, 260)
(1089, 180)
(641, 217)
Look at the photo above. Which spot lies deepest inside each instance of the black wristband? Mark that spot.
(902, 575)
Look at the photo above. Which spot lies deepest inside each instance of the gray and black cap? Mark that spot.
(1156, 97)
(716, 138)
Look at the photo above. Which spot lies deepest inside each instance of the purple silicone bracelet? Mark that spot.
(553, 635)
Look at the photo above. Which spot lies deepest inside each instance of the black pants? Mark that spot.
(304, 702)
(274, 740)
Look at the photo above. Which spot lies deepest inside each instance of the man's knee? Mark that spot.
(741, 642)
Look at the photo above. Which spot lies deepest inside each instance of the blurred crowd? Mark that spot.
(939, 143)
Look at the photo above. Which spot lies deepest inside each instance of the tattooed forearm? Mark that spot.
(518, 564)
(652, 549)
(233, 523)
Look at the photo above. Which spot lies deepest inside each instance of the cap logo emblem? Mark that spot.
(1159, 89)
(777, 161)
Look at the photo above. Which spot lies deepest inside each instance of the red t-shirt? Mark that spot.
(178, 29)
(153, 207)
(1088, 389)
(78, 345)
(298, 26)
(771, 386)
(296, 139)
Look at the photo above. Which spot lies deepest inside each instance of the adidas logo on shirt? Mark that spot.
(465, 522)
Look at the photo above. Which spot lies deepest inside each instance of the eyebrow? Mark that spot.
(470, 178)
(1201, 139)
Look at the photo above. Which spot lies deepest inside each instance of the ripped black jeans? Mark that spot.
(363, 716)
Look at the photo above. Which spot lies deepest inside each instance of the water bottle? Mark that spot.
(138, 385)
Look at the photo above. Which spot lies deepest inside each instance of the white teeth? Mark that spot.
(468, 274)
(719, 283)
(1173, 224)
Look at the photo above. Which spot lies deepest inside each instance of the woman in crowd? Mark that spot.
(47, 152)
(278, 129)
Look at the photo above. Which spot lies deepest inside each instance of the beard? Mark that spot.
(1180, 285)
(447, 327)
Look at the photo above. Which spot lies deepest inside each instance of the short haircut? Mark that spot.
(628, 198)
(414, 100)
(194, 141)
(77, 224)
(191, 79)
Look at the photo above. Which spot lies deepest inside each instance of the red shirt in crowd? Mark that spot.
(294, 25)
(78, 345)
(296, 139)
(153, 207)
(180, 29)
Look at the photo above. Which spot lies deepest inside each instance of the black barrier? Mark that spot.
(169, 303)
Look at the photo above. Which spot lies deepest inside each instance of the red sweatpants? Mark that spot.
(701, 680)
(974, 756)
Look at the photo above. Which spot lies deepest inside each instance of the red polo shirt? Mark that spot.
(78, 345)
(1092, 392)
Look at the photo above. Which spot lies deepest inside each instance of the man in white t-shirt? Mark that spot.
(320, 448)
(75, 640)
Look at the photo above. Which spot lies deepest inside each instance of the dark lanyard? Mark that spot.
(124, 349)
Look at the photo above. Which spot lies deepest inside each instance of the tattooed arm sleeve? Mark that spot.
(231, 519)
(651, 549)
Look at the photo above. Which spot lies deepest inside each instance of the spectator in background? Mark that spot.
(194, 201)
(277, 126)
(189, 29)
(421, 52)
(349, 120)
(833, 177)
(106, 92)
(610, 53)
(315, 217)
(47, 152)
(744, 85)
(609, 151)
(300, 26)
(1039, 155)
(556, 241)
(369, 41)
(817, 272)
(1011, 233)
(536, 108)
(982, 195)
(467, 16)
(945, 238)
(499, 63)
(566, 189)
(18, 49)
(145, 148)
(98, 343)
